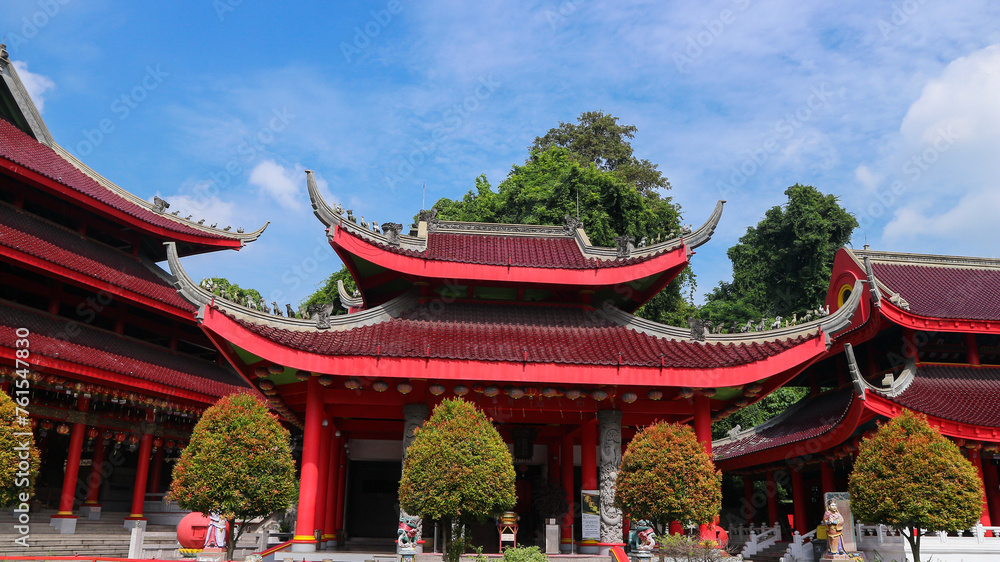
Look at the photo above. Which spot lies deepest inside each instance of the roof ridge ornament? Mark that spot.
(571, 224)
(895, 388)
(624, 246)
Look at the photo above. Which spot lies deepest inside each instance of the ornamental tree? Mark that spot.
(238, 464)
(908, 476)
(457, 468)
(665, 476)
(19, 458)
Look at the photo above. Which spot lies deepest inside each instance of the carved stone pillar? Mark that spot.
(610, 422)
(414, 416)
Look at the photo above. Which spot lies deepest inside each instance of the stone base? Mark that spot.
(212, 554)
(132, 523)
(588, 548)
(65, 525)
(92, 512)
(303, 547)
(848, 557)
(565, 548)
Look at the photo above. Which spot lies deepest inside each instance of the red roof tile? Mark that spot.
(518, 333)
(57, 245)
(110, 352)
(20, 148)
(808, 418)
(557, 252)
(944, 292)
(956, 393)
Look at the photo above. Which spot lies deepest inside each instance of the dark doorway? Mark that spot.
(372, 508)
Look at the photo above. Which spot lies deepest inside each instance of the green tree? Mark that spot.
(666, 475)
(233, 291)
(783, 265)
(238, 464)
(457, 469)
(17, 453)
(328, 292)
(908, 476)
(759, 412)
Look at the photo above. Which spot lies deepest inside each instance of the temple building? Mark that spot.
(926, 338)
(119, 370)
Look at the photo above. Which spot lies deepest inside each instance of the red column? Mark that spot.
(799, 502)
(94, 479)
(72, 464)
(304, 541)
(156, 471)
(141, 474)
(992, 482)
(332, 488)
(703, 422)
(588, 455)
(826, 478)
(972, 349)
(552, 450)
(342, 492)
(910, 343)
(566, 470)
(977, 461)
(322, 487)
(751, 511)
(772, 499)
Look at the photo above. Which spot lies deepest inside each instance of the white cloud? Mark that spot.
(972, 220)
(203, 206)
(36, 84)
(282, 184)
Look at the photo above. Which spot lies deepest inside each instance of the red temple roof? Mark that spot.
(31, 240)
(22, 155)
(962, 393)
(59, 344)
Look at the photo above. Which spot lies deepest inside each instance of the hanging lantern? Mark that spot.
(491, 391)
(515, 392)
(157, 443)
(990, 448)
(742, 402)
(120, 436)
(133, 439)
(171, 443)
(550, 392)
(380, 386)
(266, 385)
(275, 369)
(531, 392)
(62, 429)
(573, 393)
(404, 388)
(655, 394)
(461, 390)
(325, 380)
(478, 388)
(34, 423)
(352, 383)
(629, 397)
(92, 433)
(708, 392)
(302, 375)
(107, 434)
(599, 394)
(261, 372)
(436, 389)
(685, 393)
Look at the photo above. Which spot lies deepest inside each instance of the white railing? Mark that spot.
(741, 533)
(801, 548)
(760, 541)
(971, 545)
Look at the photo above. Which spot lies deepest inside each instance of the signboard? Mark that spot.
(590, 520)
(507, 537)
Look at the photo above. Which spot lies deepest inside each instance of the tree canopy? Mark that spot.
(457, 467)
(328, 293)
(907, 475)
(19, 458)
(238, 464)
(782, 266)
(666, 475)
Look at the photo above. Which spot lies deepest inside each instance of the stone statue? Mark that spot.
(834, 522)
(699, 328)
(610, 457)
(624, 246)
(215, 536)
(777, 323)
(642, 536)
(159, 205)
(406, 535)
(277, 311)
(288, 311)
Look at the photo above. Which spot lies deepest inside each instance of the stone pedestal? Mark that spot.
(303, 547)
(132, 523)
(66, 525)
(92, 512)
(551, 537)
(849, 557)
(212, 554)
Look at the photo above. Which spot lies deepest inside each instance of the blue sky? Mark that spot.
(218, 106)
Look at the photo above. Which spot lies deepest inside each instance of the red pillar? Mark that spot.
(772, 499)
(141, 474)
(799, 502)
(588, 455)
(566, 470)
(94, 479)
(72, 464)
(156, 471)
(304, 540)
(972, 349)
(977, 461)
(991, 479)
(552, 450)
(826, 478)
(322, 487)
(910, 343)
(332, 488)
(703, 422)
(342, 492)
(750, 510)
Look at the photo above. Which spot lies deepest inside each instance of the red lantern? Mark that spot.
(120, 436)
(261, 372)
(133, 439)
(46, 425)
(62, 429)
(157, 442)
(170, 444)
(92, 433)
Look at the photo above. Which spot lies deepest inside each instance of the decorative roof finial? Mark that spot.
(3, 51)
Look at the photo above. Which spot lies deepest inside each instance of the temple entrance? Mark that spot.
(372, 499)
